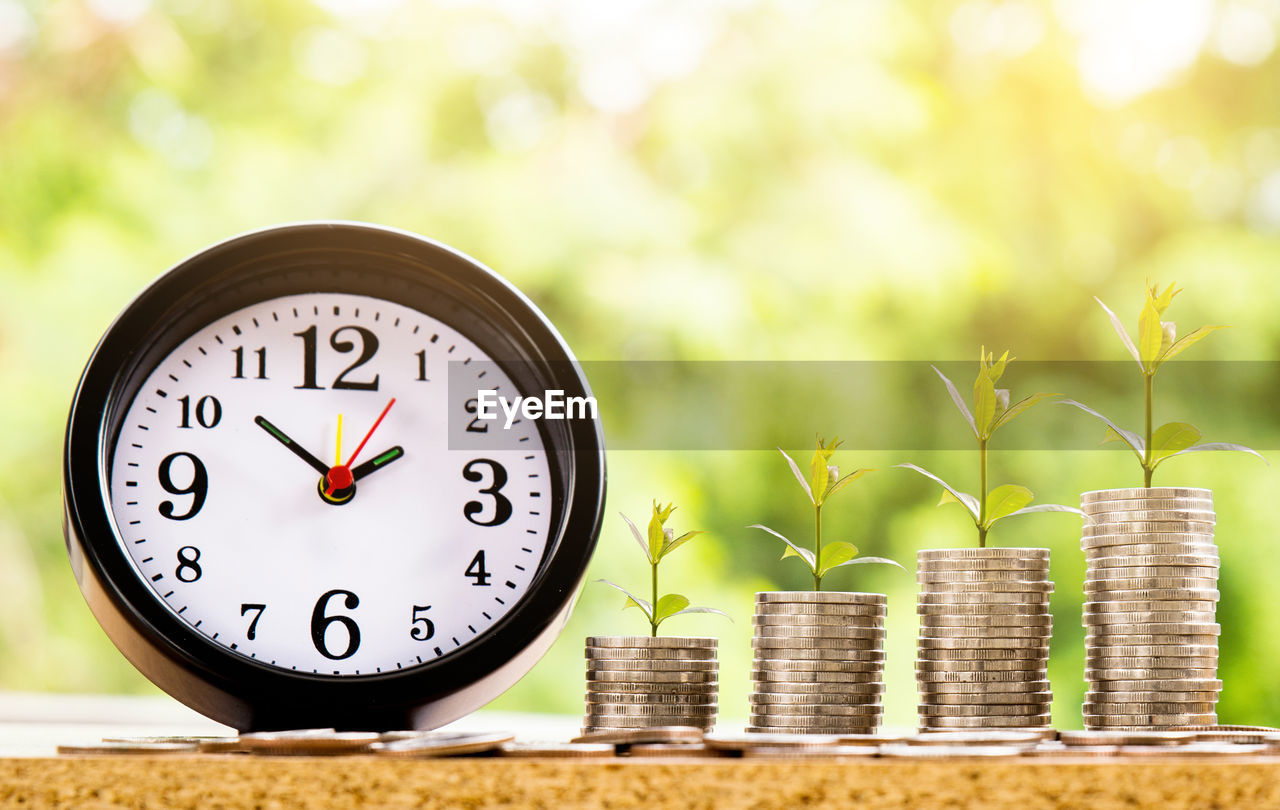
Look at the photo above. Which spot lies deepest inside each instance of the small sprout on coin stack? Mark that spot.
(823, 482)
(1158, 342)
(657, 544)
(991, 411)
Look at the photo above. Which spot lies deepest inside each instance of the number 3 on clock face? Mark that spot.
(263, 529)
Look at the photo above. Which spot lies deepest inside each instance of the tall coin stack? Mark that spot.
(1151, 589)
(983, 653)
(819, 662)
(642, 682)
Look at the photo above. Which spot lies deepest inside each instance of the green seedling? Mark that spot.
(656, 545)
(991, 411)
(824, 481)
(1158, 342)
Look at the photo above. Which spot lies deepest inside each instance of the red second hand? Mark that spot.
(339, 476)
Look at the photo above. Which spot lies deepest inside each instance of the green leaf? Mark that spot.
(1167, 339)
(984, 403)
(1124, 336)
(702, 610)
(677, 542)
(1150, 334)
(871, 561)
(795, 470)
(1050, 507)
(670, 605)
(819, 475)
(657, 537)
(1018, 407)
(1209, 446)
(1112, 436)
(834, 554)
(997, 368)
(1172, 438)
(1183, 343)
(848, 479)
(1005, 500)
(635, 532)
(1135, 442)
(632, 599)
(966, 500)
(792, 549)
(1162, 300)
(958, 400)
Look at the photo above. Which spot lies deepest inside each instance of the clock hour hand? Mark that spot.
(376, 463)
(297, 449)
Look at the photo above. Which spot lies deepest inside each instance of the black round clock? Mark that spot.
(304, 486)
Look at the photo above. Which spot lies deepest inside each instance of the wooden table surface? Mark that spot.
(32, 775)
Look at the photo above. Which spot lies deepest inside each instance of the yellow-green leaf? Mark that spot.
(675, 543)
(1173, 437)
(1018, 407)
(1167, 339)
(819, 475)
(1161, 301)
(984, 404)
(1150, 334)
(834, 554)
(1182, 344)
(1118, 325)
(849, 479)
(669, 605)
(795, 470)
(1005, 500)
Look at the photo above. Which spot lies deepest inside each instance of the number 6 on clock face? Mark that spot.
(273, 505)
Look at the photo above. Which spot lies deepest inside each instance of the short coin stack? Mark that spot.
(983, 651)
(819, 662)
(1151, 589)
(641, 681)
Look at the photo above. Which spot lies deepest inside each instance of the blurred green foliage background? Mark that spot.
(725, 180)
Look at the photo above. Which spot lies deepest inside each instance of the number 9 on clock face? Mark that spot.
(267, 491)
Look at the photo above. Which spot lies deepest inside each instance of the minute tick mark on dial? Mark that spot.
(235, 329)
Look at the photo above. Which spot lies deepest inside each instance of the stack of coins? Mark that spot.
(819, 662)
(640, 682)
(984, 638)
(1151, 589)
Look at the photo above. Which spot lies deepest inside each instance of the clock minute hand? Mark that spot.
(377, 462)
(297, 449)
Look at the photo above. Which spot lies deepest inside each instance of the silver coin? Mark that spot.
(743, 742)
(846, 690)
(940, 620)
(1185, 629)
(814, 632)
(981, 553)
(984, 654)
(1102, 507)
(764, 699)
(1148, 639)
(1040, 566)
(870, 707)
(1153, 696)
(1014, 609)
(1209, 550)
(616, 724)
(1142, 527)
(986, 633)
(1144, 673)
(1148, 515)
(1121, 588)
(442, 744)
(660, 688)
(662, 642)
(1094, 707)
(309, 742)
(658, 654)
(1017, 665)
(1154, 650)
(982, 677)
(1096, 574)
(925, 577)
(648, 677)
(624, 698)
(975, 738)
(1154, 561)
(1130, 493)
(1158, 685)
(1150, 662)
(1143, 605)
(1103, 720)
(650, 665)
(646, 710)
(1120, 540)
(763, 677)
(840, 666)
(835, 611)
(814, 620)
(855, 640)
(996, 699)
(988, 587)
(1149, 617)
(121, 748)
(547, 750)
(827, 722)
(653, 734)
(970, 643)
(824, 597)
(927, 710)
(989, 721)
(1092, 738)
(855, 726)
(982, 691)
(1028, 598)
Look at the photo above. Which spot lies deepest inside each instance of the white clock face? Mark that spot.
(237, 507)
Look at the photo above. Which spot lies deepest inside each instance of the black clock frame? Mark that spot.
(327, 257)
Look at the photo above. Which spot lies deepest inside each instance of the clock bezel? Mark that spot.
(326, 257)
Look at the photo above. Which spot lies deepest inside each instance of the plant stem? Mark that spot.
(653, 620)
(817, 547)
(982, 493)
(1148, 381)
